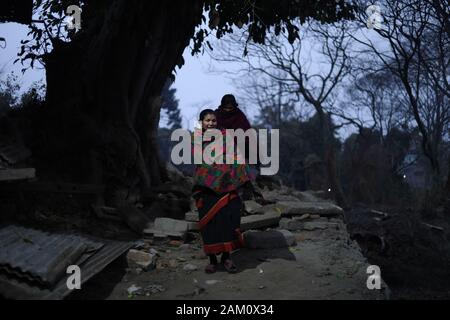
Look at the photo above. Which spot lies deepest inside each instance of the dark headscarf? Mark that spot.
(234, 119)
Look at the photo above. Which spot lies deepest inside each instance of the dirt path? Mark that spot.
(324, 264)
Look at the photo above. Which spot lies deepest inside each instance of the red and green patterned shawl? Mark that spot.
(221, 178)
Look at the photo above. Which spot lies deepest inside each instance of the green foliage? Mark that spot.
(34, 96)
(9, 89)
(264, 16)
(49, 28)
(259, 16)
(10, 97)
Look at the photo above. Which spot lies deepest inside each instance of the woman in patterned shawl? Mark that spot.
(216, 192)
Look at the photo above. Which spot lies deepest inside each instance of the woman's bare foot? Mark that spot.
(211, 268)
(229, 266)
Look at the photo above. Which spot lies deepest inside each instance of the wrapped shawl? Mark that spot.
(234, 119)
(221, 178)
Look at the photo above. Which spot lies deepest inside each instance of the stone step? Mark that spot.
(257, 221)
(269, 239)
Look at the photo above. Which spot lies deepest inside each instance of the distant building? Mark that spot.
(416, 168)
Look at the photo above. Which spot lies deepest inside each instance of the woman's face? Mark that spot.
(229, 107)
(209, 122)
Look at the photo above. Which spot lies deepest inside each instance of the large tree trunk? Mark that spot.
(447, 183)
(329, 157)
(103, 90)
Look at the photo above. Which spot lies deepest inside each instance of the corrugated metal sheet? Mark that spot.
(39, 256)
(33, 263)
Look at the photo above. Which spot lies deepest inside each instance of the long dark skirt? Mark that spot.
(220, 219)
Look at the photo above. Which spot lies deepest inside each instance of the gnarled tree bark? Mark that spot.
(103, 90)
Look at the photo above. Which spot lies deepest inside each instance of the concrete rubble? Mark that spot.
(141, 259)
(305, 224)
(284, 207)
(168, 227)
(252, 207)
(258, 221)
(299, 208)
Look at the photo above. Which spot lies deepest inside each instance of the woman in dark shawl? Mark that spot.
(219, 205)
(229, 116)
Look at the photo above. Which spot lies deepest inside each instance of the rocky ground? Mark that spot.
(322, 265)
(300, 256)
(299, 245)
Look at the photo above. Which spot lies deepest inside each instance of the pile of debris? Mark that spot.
(285, 208)
(305, 230)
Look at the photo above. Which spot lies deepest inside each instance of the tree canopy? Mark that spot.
(259, 16)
